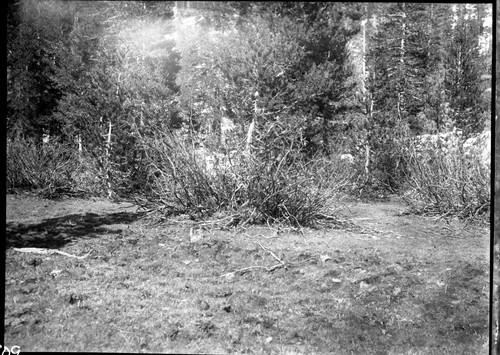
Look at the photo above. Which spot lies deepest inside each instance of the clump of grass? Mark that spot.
(447, 181)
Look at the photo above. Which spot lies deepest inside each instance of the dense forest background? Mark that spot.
(105, 80)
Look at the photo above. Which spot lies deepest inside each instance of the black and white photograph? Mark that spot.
(251, 177)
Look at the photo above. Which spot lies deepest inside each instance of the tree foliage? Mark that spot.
(327, 75)
(270, 64)
(425, 75)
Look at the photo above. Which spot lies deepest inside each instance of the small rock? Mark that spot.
(269, 339)
(332, 273)
(204, 305)
(193, 237)
(325, 258)
(55, 273)
(395, 268)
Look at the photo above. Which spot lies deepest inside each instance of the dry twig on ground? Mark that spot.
(49, 251)
(272, 254)
(268, 269)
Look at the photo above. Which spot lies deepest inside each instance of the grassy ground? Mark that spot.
(382, 283)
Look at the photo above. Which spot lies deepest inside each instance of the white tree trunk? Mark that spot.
(251, 128)
(363, 58)
(106, 165)
(367, 143)
(250, 136)
(80, 149)
(402, 56)
(366, 96)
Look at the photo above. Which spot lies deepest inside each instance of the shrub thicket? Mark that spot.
(46, 168)
(448, 181)
(270, 185)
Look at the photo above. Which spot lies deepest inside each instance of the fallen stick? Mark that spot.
(272, 254)
(262, 236)
(244, 269)
(269, 269)
(49, 251)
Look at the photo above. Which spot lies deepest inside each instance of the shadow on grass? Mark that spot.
(56, 232)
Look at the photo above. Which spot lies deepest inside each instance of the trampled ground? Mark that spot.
(381, 283)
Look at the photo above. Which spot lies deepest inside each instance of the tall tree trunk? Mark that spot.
(367, 140)
(80, 149)
(402, 59)
(367, 96)
(251, 128)
(363, 57)
(107, 172)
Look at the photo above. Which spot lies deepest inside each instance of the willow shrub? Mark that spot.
(44, 168)
(269, 185)
(448, 181)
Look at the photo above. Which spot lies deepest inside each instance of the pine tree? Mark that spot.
(32, 95)
(388, 63)
(464, 62)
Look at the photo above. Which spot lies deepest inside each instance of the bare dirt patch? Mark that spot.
(381, 282)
